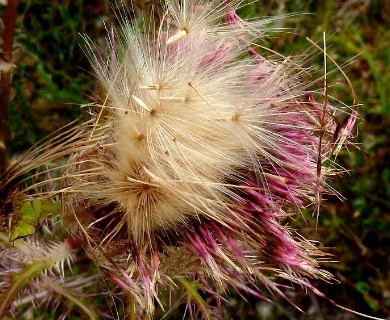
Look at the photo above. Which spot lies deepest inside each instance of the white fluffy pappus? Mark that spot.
(189, 116)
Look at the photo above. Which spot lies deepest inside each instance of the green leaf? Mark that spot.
(49, 207)
(29, 215)
(363, 287)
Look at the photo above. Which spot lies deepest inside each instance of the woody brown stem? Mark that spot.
(6, 79)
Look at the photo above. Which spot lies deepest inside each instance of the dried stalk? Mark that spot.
(6, 79)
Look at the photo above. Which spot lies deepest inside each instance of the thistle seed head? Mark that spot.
(201, 151)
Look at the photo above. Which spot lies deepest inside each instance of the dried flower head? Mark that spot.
(201, 151)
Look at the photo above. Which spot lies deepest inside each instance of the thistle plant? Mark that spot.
(183, 181)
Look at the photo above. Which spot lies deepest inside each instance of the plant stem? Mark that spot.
(131, 306)
(6, 79)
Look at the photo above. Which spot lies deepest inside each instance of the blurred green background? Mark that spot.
(53, 79)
